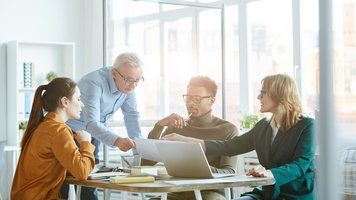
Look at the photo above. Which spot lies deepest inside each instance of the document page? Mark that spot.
(147, 149)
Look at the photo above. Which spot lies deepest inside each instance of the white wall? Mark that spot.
(78, 21)
(93, 33)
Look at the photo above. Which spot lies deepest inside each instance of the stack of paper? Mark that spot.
(104, 175)
(127, 179)
(147, 149)
(144, 171)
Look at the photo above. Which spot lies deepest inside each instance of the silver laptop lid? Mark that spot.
(186, 160)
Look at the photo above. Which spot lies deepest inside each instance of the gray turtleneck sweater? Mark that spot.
(206, 127)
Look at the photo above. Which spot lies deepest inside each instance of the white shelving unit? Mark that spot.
(58, 57)
(44, 57)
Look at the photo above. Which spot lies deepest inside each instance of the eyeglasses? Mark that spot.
(196, 99)
(129, 81)
(262, 92)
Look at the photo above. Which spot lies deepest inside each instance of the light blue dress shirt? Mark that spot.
(102, 99)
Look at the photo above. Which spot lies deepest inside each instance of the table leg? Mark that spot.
(71, 192)
(124, 195)
(143, 197)
(198, 195)
(227, 193)
(164, 196)
(77, 195)
(107, 194)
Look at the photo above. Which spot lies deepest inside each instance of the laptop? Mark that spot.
(186, 160)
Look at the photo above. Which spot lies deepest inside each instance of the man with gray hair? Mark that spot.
(103, 92)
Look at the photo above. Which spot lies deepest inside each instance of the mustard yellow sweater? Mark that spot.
(46, 157)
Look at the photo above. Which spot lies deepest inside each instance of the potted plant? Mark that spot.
(50, 76)
(22, 128)
(249, 121)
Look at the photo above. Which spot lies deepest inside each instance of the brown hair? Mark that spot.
(284, 92)
(206, 82)
(49, 101)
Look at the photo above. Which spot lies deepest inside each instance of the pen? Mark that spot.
(187, 118)
(127, 162)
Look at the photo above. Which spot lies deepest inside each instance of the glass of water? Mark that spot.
(130, 161)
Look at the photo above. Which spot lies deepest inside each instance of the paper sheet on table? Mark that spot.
(237, 178)
(147, 149)
(197, 181)
(105, 174)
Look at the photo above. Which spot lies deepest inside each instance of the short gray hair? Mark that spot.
(127, 58)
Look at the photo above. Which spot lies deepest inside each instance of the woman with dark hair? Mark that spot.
(48, 147)
(284, 143)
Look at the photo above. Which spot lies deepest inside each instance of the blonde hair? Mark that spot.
(284, 93)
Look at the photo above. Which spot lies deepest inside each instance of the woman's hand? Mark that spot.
(259, 171)
(176, 137)
(82, 136)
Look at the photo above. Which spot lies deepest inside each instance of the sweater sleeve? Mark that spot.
(228, 164)
(79, 162)
(302, 159)
(156, 132)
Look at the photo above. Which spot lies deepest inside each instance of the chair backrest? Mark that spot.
(349, 169)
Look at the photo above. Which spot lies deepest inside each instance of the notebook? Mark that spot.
(126, 179)
(186, 160)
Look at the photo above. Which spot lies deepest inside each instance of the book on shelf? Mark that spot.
(27, 75)
(28, 104)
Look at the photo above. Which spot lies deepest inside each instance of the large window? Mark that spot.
(345, 69)
(178, 62)
(178, 42)
(232, 65)
(262, 37)
(270, 41)
(310, 54)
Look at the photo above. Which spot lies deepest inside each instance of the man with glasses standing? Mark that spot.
(202, 124)
(103, 92)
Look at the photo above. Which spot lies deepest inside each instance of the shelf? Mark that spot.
(28, 63)
(32, 90)
(12, 148)
(23, 119)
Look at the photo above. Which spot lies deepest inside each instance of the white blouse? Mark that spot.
(274, 129)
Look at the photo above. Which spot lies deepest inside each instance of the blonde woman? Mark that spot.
(284, 143)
